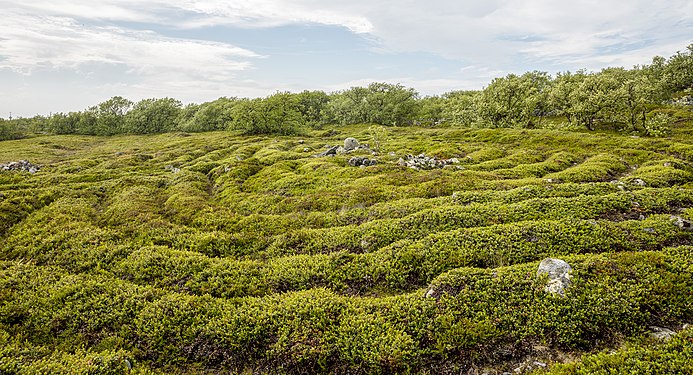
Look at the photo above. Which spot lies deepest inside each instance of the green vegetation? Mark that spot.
(237, 251)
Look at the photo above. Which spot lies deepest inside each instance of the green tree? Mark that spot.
(313, 107)
(390, 104)
(106, 118)
(460, 107)
(635, 93)
(431, 110)
(511, 101)
(275, 114)
(61, 123)
(153, 116)
(561, 92)
(596, 95)
(214, 115)
(678, 72)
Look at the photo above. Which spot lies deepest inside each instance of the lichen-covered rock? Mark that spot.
(558, 272)
(351, 144)
(660, 333)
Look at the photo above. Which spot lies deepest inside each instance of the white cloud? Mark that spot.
(30, 41)
(490, 38)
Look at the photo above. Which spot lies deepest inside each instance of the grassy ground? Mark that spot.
(256, 256)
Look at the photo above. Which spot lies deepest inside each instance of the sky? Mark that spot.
(67, 55)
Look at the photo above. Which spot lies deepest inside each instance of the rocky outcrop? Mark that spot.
(558, 272)
(21, 166)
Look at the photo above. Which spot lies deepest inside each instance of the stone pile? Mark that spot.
(22, 166)
(358, 161)
(422, 161)
(350, 145)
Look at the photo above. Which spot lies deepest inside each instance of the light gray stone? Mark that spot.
(558, 272)
(660, 333)
(350, 144)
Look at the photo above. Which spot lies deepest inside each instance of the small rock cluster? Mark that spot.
(559, 275)
(682, 223)
(350, 145)
(22, 166)
(358, 161)
(422, 161)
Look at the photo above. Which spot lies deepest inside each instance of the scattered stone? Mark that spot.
(423, 162)
(667, 164)
(641, 217)
(332, 151)
(301, 141)
(306, 149)
(173, 169)
(660, 333)
(21, 166)
(559, 275)
(682, 223)
(392, 153)
(351, 144)
(639, 182)
(358, 161)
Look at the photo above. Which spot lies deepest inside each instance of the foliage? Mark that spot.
(150, 116)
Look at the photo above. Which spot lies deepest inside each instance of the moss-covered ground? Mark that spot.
(218, 253)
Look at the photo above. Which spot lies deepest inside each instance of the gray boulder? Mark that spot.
(558, 272)
(660, 333)
(351, 144)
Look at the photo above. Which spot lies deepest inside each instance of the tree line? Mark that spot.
(626, 99)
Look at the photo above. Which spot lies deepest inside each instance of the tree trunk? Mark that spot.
(590, 125)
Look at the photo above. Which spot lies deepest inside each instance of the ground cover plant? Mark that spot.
(223, 252)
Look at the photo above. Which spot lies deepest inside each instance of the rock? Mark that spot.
(21, 166)
(559, 275)
(421, 161)
(172, 169)
(358, 161)
(330, 152)
(667, 164)
(659, 333)
(306, 149)
(301, 141)
(648, 230)
(351, 144)
(639, 182)
(682, 223)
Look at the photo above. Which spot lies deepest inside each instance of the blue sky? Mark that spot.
(65, 55)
